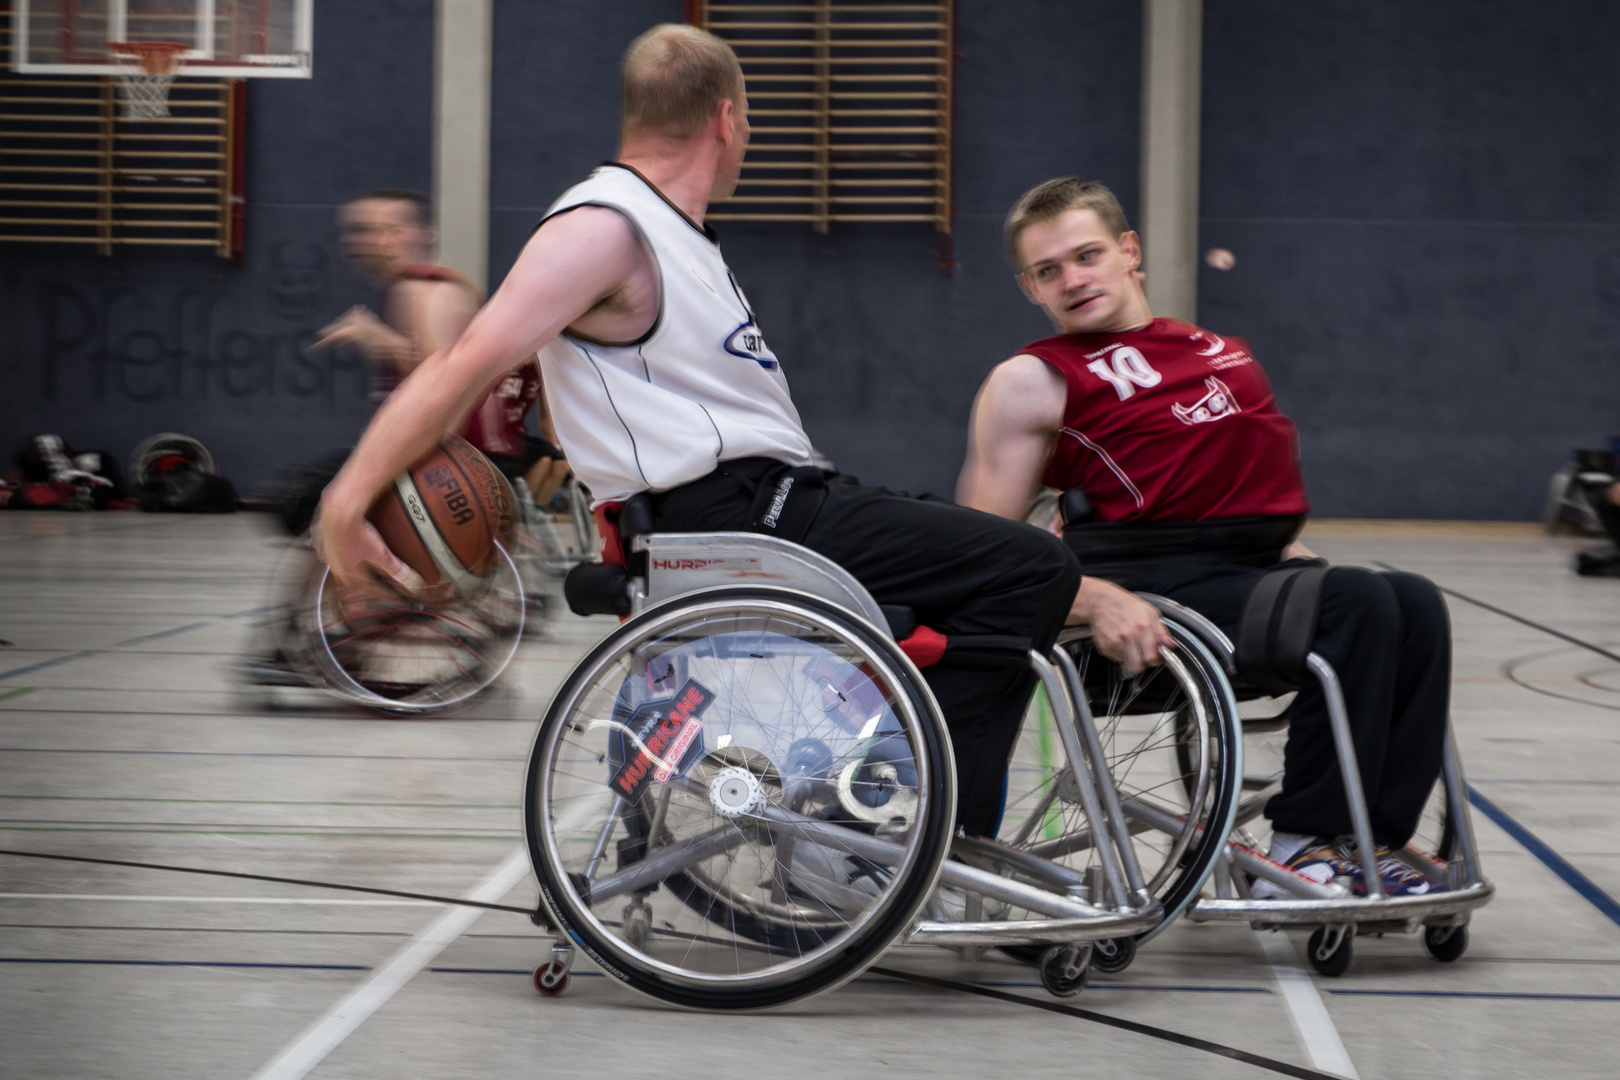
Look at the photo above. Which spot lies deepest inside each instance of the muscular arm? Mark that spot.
(571, 264)
(1016, 417)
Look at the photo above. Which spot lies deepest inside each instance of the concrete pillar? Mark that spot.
(461, 89)
(1172, 59)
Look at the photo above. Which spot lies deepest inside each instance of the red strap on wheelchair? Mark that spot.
(607, 515)
(925, 646)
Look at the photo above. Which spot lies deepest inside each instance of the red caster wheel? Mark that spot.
(551, 978)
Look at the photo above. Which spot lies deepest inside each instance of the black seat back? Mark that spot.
(1278, 627)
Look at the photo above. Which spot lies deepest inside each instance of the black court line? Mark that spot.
(178, 963)
(1545, 629)
(266, 877)
(1162, 1034)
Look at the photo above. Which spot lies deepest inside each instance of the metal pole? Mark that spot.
(1360, 821)
(1172, 56)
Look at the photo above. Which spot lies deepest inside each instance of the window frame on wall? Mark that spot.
(851, 105)
(74, 172)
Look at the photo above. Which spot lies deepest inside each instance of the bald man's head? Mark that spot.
(675, 77)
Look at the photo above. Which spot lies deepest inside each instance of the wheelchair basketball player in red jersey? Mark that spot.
(661, 382)
(1192, 490)
(389, 237)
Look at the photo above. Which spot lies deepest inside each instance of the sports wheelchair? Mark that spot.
(1268, 663)
(400, 657)
(745, 794)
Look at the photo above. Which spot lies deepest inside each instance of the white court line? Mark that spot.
(215, 899)
(339, 1022)
(1310, 1015)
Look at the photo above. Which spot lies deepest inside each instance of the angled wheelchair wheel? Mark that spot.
(1171, 740)
(740, 798)
(407, 657)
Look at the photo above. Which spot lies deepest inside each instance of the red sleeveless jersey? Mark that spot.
(497, 426)
(1171, 423)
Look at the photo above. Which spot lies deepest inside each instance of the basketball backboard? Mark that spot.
(240, 39)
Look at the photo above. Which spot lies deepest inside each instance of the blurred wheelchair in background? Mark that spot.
(392, 654)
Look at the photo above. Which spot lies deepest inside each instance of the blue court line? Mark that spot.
(1503, 994)
(1548, 857)
(246, 753)
(41, 665)
(47, 663)
(179, 963)
(1147, 986)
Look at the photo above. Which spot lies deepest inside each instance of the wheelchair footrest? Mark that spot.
(1358, 909)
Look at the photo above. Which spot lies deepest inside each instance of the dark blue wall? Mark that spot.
(1424, 201)
(105, 351)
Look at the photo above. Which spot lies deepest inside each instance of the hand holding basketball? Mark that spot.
(357, 556)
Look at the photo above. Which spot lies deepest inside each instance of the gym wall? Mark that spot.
(1424, 201)
(1421, 200)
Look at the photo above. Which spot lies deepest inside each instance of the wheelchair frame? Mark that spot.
(1072, 909)
(1331, 907)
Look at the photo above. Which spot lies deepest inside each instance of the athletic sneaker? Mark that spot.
(1317, 860)
(1398, 879)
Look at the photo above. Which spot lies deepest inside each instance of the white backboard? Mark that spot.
(252, 39)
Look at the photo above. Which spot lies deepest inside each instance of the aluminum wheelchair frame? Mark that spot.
(1331, 907)
(1066, 910)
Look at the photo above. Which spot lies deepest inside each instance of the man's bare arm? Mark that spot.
(1016, 417)
(571, 264)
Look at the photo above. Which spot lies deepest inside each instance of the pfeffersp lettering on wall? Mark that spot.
(116, 344)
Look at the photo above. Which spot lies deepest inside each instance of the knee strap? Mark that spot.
(1278, 627)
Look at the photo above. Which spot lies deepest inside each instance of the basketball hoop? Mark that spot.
(144, 77)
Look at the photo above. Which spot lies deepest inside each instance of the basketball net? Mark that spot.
(148, 70)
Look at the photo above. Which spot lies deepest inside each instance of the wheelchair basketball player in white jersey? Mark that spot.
(662, 383)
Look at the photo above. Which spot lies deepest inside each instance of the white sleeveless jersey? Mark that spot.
(700, 388)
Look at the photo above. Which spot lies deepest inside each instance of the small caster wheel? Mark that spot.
(1445, 943)
(551, 978)
(1065, 969)
(1113, 955)
(637, 925)
(1327, 956)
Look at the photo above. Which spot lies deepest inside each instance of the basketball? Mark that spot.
(444, 515)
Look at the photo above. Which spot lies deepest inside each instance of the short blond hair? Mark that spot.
(675, 76)
(1043, 202)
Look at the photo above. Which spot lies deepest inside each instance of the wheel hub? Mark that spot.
(735, 791)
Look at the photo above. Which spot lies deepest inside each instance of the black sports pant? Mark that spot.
(959, 570)
(1389, 638)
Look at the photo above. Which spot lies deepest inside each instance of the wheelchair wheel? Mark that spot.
(1171, 740)
(408, 657)
(763, 777)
